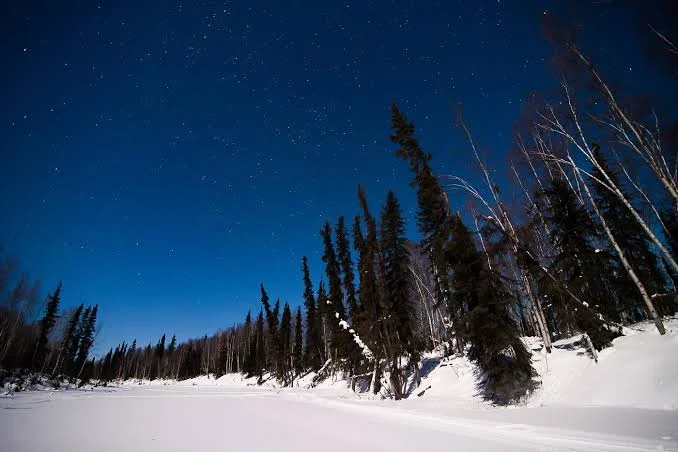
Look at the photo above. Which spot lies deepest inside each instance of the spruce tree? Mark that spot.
(395, 300)
(346, 268)
(86, 372)
(248, 320)
(259, 349)
(160, 348)
(581, 268)
(222, 360)
(358, 239)
(273, 349)
(158, 354)
(74, 345)
(505, 370)
(670, 220)
(173, 344)
(285, 338)
(433, 216)
(633, 242)
(107, 367)
(46, 324)
(325, 315)
(367, 245)
(247, 339)
(313, 350)
(332, 271)
(341, 341)
(249, 363)
(276, 357)
(68, 342)
(85, 337)
(348, 283)
(297, 353)
(395, 257)
(131, 351)
(190, 366)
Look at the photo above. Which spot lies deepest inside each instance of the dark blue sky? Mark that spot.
(163, 158)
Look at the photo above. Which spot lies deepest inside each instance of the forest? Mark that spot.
(582, 239)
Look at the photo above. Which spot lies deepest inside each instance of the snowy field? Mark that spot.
(183, 418)
(626, 402)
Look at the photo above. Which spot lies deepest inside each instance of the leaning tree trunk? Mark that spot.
(627, 266)
(553, 124)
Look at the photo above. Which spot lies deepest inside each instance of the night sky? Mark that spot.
(164, 158)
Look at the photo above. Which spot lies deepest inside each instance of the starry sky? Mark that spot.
(164, 158)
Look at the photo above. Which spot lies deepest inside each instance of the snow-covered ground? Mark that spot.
(628, 401)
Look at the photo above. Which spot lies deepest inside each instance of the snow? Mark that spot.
(202, 417)
(626, 402)
(640, 371)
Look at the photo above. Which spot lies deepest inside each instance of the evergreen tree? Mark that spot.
(284, 342)
(248, 320)
(433, 216)
(346, 268)
(255, 361)
(368, 251)
(581, 268)
(247, 337)
(85, 337)
(86, 372)
(222, 361)
(276, 357)
(160, 348)
(341, 341)
(68, 342)
(358, 239)
(190, 366)
(260, 348)
(106, 373)
(395, 300)
(297, 353)
(273, 350)
(324, 313)
(504, 363)
(670, 220)
(158, 354)
(46, 324)
(370, 326)
(131, 351)
(348, 282)
(74, 345)
(633, 242)
(173, 344)
(395, 259)
(313, 350)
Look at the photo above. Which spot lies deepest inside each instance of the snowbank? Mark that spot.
(640, 370)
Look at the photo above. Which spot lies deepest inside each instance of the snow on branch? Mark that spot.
(365, 350)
